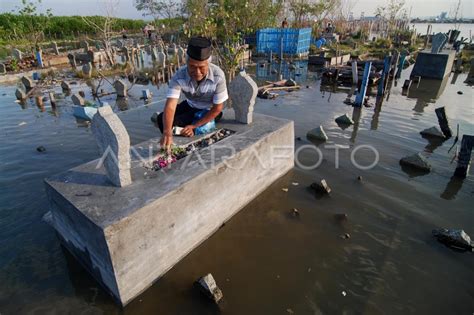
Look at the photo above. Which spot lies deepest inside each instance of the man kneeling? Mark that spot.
(204, 86)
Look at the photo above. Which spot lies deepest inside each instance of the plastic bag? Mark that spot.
(206, 128)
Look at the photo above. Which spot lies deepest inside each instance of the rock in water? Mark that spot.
(317, 133)
(416, 161)
(321, 187)
(344, 120)
(208, 286)
(432, 132)
(454, 238)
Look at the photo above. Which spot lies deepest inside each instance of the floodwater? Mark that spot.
(265, 260)
(466, 29)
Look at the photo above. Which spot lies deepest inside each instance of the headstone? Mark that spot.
(344, 120)
(78, 100)
(154, 54)
(65, 86)
(464, 158)
(417, 161)
(3, 70)
(72, 60)
(161, 59)
(114, 143)
(181, 55)
(438, 42)
(355, 74)
(119, 44)
(87, 70)
(121, 88)
(20, 94)
(243, 92)
(17, 54)
(208, 286)
(317, 134)
(85, 45)
(52, 99)
(126, 53)
(55, 48)
(27, 82)
(443, 122)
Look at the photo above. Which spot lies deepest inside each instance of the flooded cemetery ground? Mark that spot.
(366, 248)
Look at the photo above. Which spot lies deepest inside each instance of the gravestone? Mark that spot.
(3, 70)
(65, 86)
(85, 45)
(126, 53)
(55, 48)
(27, 82)
(119, 43)
(438, 42)
(181, 55)
(161, 59)
(20, 94)
(243, 92)
(154, 54)
(78, 100)
(72, 60)
(17, 54)
(114, 142)
(121, 88)
(464, 159)
(87, 69)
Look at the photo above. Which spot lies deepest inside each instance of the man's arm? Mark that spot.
(168, 117)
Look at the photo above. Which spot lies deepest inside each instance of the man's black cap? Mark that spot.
(199, 48)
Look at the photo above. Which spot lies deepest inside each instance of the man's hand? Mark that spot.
(166, 142)
(188, 131)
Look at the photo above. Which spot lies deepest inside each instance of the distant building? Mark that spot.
(443, 16)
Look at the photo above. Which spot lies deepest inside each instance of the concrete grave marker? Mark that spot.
(438, 42)
(17, 54)
(85, 45)
(3, 70)
(121, 88)
(27, 82)
(161, 59)
(87, 70)
(65, 86)
(20, 94)
(112, 137)
(243, 92)
(55, 48)
(78, 100)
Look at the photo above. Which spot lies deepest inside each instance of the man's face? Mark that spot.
(197, 69)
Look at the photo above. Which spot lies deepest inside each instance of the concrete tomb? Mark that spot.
(127, 237)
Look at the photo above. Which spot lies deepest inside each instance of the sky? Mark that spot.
(125, 8)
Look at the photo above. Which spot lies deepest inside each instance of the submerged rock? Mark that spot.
(432, 132)
(208, 286)
(317, 134)
(41, 149)
(454, 238)
(344, 120)
(290, 82)
(20, 94)
(417, 161)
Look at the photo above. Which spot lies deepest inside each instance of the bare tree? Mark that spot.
(104, 26)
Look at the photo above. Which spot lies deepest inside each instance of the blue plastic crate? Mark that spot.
(292, 40)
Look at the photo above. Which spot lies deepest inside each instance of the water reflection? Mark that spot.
(452, 188)
(425, 92)
(296, 70)
(122, 103)
(433, 143)
(356, 118)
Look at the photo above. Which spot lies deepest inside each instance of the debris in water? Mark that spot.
(454, 238)
(208, 286)
(317, 133)
(285, 189)
(40, 149)
(22, 123)
(48, 218)
(460, 93)
(346, 236)
(321, 187)
(343, 293)
(298, 138)
(432, 132)
(295, 183)
(344, 120)
(416, 161)
(359, 178)
(341, 217)
(295, 212)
